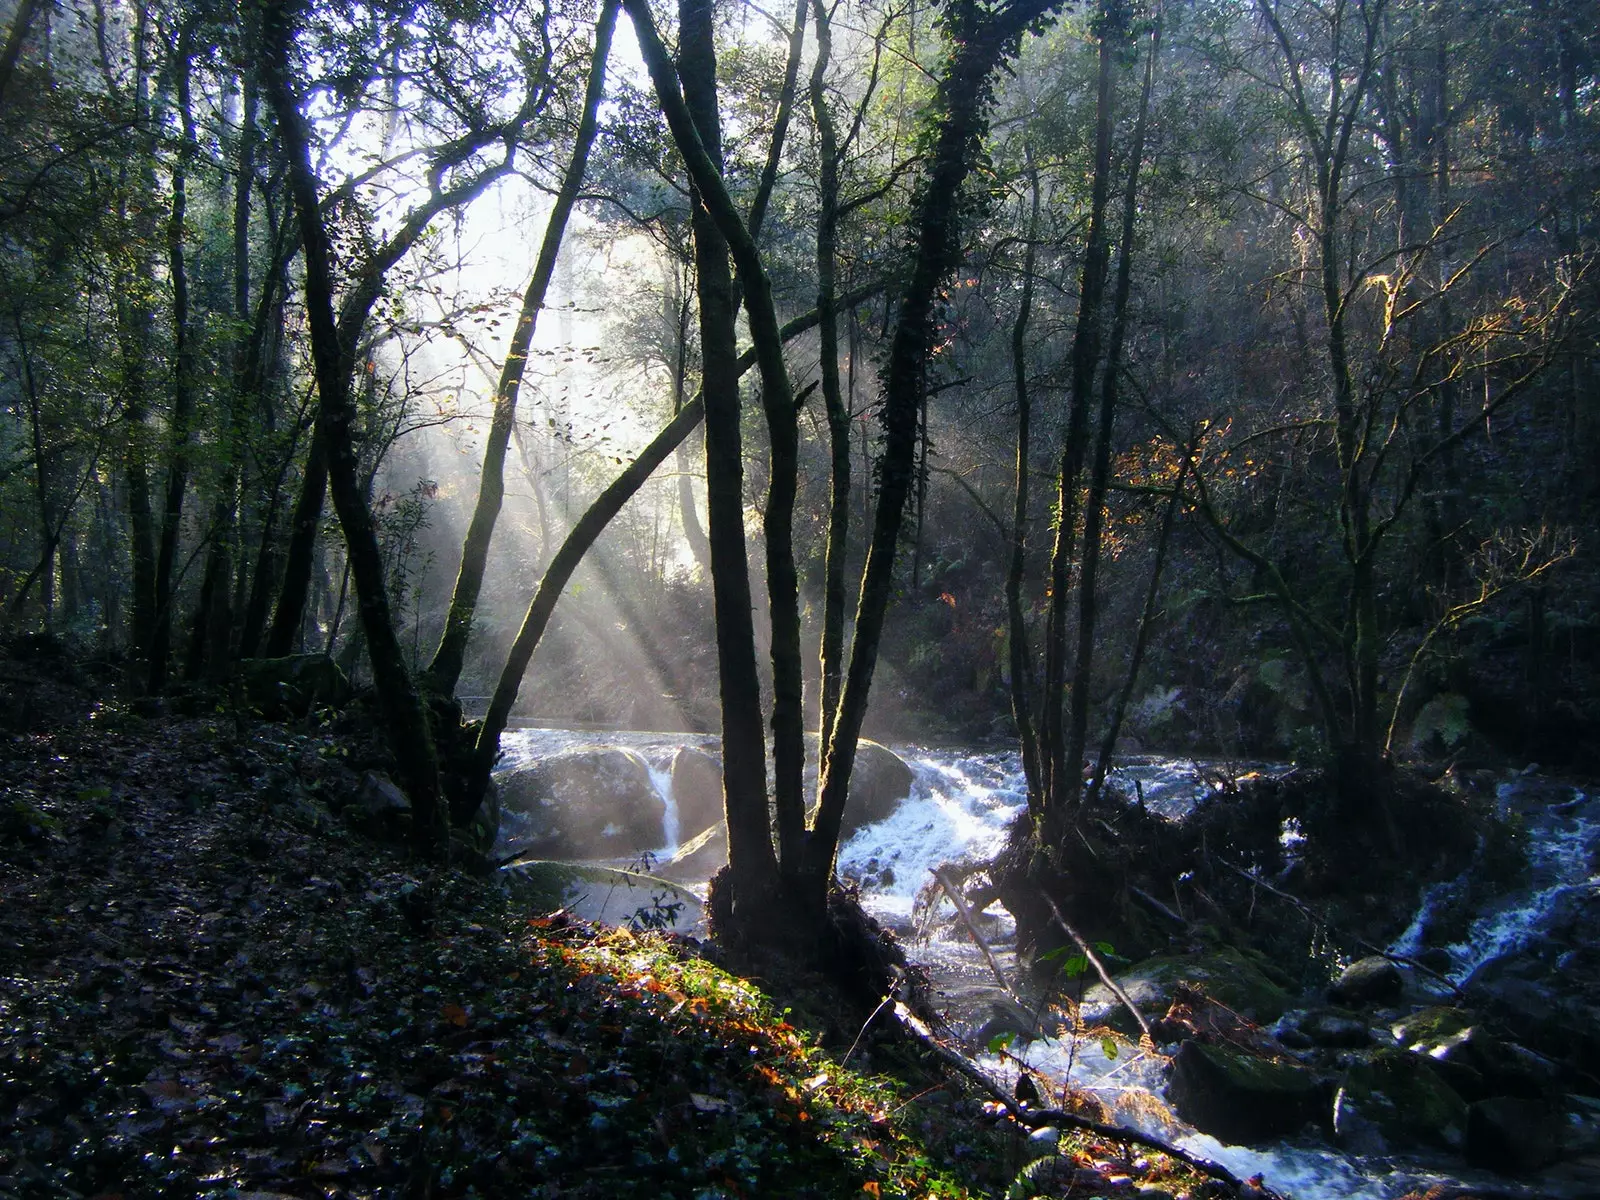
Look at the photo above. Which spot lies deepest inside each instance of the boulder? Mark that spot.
(696, 790)
(286, 689)
(880, 781)
(1335, 1028)
(1353, 1131)
(1512, 1134)
(1371, 980)
(1005, 1017)
(698, 859)
(1405, 1098)
(380, 798)
(1226, 975)
(594, 802)
(1241, 1098)
(1473, 1061)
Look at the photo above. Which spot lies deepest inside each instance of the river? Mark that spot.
(960, 806)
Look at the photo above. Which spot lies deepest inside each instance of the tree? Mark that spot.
(410, 737)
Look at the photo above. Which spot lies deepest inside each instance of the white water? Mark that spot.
(524, 747)
(1561, 835)
(960, 807)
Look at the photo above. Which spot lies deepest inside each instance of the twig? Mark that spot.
(1100, 969)
(1035, 1118)
(1161, 908)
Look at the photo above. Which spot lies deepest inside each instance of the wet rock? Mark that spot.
(1511, 1134)
(1007, 1019)
(1241, 1098)
(1371, 980)
(697, 791)
(1549, 1001)
(698, 859)
(880, 781)
(1407, 1100)
(1227, 975)
(1335, 1028)
(1353, 1130)
(286, 689)
(588, 803)
(1472, 1060)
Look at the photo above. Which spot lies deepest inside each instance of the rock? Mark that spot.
(1242, 1099)
(880, 781)
(1371, 980)
(1407, 1100)
(1551, 1004)
(588, 803)
(696, 790)
(1354, 1132)
(1227, 975)
(698, 859)
(1336, 1028)
(283, 689)
(1474, 1062)
(1511, 1134)
(1007, 1017)
(380, 797)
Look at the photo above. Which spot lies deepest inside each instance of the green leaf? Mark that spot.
(1108, 1047)
(1002, 1040)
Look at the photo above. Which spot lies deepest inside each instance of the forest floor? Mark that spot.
(213, 985)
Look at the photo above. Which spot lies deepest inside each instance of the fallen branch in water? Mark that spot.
(954, 892)
(1038, 1118)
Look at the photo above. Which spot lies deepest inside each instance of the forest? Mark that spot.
(455, 453)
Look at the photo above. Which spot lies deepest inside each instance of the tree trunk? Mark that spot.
(445, 670)
(1110, 381)
(834, 403)
(1062, 774)
(23, 19)
(211, 634)
(410, 738)
(183, 380)
(1020, 656)
(136, 280)
(980, 42)
(752, 861)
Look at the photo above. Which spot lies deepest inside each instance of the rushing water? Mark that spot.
(960, 808)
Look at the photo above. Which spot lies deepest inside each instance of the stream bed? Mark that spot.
(960, 806)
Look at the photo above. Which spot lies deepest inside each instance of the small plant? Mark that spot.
(659, 915)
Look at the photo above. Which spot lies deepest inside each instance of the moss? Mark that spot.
(1232, 977)
(1408, 1101)
(1428, 1029)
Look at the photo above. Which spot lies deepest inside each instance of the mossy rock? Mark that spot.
(1232, 977)
(1242, 1098)
(1406, 1099)
(1429, 1030)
